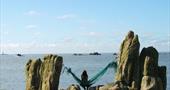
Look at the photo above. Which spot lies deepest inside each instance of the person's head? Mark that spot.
(85, 72)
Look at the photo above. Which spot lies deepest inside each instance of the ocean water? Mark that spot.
(12, 74)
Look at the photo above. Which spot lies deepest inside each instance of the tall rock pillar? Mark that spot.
(128, 61)
(153, 76)
(43, 75)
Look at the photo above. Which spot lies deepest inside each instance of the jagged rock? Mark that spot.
(73, 87)
(150, 68)
(128, 61)
(152, 54)
(149, 61)
(138, 72)
(151, 83)
(106, 87)
(115, 87)
(162, 75)
(43, 75)
(119, 85)
(95, 87)
(153, 76)
(32, 73)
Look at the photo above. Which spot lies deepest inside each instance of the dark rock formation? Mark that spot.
(95, 53)
(43, 75)
(153, 76)
(162, 75)
(151, 83)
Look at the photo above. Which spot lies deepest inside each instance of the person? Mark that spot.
(84, 78)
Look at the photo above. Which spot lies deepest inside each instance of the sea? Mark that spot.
(12, 69)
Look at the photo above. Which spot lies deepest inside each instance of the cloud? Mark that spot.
(31, 26)
(37, 33)
(32, 47)
(93, 34)
(66, 16)
(32, 13)
(68, 40)
(161, 44)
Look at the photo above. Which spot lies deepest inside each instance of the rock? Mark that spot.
(153, 76)
(73, 87)
(136, 72)
(107, 86)
(95, 87)
(149, 61)
(43, 75)
(115, 87)
(162, 75)
(32, 74)
(119, 85)
(128, 61)
(151, 83)
(150, 68)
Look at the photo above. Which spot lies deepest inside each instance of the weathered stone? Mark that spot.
(32, 73)
(43, 75)
(162, 75)
(128, 61)
(150, 67)
(107, 86)
(119, 85)
(73, 87)
(151, 83)
(115, 87)
(95, 87)
(149, 61)
(138, 72)
(153, 76)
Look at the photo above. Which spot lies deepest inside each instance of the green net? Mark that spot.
(95, 78)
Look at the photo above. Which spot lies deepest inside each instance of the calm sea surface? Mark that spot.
(12, 76)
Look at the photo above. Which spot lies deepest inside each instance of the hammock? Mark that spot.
(94, 78)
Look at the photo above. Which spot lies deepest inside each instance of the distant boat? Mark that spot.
(19, 55)
(95, 53)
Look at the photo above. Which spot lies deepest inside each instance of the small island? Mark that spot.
(114, 53)
(95, 53)
(19, 55)
(77, 54)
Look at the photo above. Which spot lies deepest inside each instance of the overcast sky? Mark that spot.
(68, 26)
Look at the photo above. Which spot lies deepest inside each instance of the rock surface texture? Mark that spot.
(73, 87)
(43, 75)
(128, 59)
(138, 71)
(153, 76)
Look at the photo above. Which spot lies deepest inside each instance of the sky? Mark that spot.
(82, 26)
